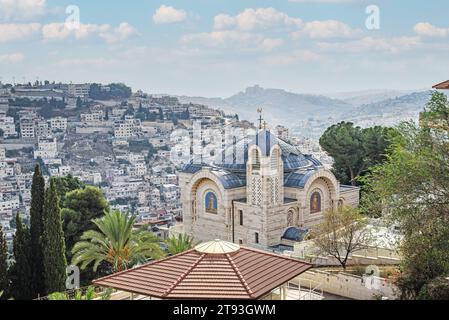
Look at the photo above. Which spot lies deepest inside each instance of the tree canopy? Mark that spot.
(355, 150)
(115, 243)
(412, 189)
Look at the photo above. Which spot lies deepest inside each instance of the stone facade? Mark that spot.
(279, 189)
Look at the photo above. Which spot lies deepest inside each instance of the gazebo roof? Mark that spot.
(214, 270)
(442, 85)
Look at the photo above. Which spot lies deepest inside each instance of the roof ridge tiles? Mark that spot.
(155, 262)
(240, 276)
(184, 275)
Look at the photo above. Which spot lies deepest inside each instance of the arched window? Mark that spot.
(315, 202)
(211, 203)
(256, 159)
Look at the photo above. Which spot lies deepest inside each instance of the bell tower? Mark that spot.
(265, 170)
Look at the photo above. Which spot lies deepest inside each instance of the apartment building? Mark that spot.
(27, 128)
(79, 90)
(46, 149)
(58, 124)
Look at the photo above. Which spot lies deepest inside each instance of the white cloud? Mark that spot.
(168, 14)
(253, 19)
(270, 44)
(219, 38)
(232, 39)
(12, 57)
(60, 31)
(372, 44)
(11, 32)
(326, 29)
(122, 32)
(426, 29)
(19, 10)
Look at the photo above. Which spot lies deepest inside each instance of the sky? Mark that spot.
(216, 48)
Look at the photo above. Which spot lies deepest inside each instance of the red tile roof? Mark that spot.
(243, 274)
(442, 85)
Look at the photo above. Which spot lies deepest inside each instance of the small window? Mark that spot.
(257, 238)
(241, 217)
(240, 242)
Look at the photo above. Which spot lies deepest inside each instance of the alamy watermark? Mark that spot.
(72, 22)
(373, 20)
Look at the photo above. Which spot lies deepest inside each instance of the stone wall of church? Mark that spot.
(351, 197)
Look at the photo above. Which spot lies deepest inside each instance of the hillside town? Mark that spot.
(106, 136)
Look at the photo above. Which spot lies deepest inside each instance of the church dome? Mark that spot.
(235, 157)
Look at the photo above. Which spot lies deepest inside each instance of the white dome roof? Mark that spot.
(217, 247)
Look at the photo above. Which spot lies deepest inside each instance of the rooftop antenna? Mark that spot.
(259, 111)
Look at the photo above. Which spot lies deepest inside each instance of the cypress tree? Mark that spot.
(55, 263)
(3, 263)
(36, 228)
(21, 273)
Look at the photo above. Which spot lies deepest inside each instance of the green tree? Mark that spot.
(55, 263)
(21, 272)
(355, 150)
(116, 243)
(64, 185)
(3, 262)
(79, 209)
(36, 228)
(179, 244)
(412, 189)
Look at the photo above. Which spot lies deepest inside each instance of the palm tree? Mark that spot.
(179, 244)
(116, 243)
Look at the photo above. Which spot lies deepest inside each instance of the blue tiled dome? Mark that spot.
(235, 157)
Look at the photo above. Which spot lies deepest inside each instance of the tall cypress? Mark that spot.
(3, 264)
(55, 263)
(21, 272)
(36, 228)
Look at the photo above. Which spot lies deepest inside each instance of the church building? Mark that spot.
(273, 195)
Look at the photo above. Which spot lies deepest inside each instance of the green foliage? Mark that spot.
(437, 289)
(36, 229)
(21, 272)
(179, 244)
(79, 209)
(46, 107)
(55, 263)
(355, 150)
(79, 295)
(412, 189)
(3, 262)
(116, 243)
(436, 114)
(117, 91)
(64, 185)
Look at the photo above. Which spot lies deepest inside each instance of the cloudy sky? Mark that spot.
(219, 47)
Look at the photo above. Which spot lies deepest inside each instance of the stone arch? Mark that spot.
(254, 157)
(324, 182)
(292, 218)
(197, 201)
